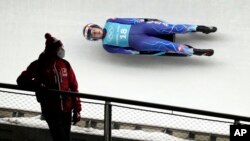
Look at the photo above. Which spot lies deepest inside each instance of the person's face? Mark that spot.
(96, 33)
(60, 52)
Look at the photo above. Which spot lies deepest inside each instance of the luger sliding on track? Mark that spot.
(139, 36)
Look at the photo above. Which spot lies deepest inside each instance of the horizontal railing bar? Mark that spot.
(137, 103)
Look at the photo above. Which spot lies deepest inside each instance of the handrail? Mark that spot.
(137, 103)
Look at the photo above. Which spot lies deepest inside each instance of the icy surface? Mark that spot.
(219, 83)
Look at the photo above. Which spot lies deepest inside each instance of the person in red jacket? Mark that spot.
(51, 71)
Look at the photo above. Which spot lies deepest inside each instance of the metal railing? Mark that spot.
(170, 119)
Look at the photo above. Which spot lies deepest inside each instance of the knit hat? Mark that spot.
(51, 43)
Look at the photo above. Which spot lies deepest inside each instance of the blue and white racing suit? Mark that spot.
(134, 35)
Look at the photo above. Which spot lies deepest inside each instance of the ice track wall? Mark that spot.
(219, 83)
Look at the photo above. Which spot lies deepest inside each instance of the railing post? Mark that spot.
(107, 121)
(237, 122)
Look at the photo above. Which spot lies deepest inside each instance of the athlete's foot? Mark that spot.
(203, 52)
(206, 29)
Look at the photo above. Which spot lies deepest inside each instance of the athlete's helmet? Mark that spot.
(87, 31)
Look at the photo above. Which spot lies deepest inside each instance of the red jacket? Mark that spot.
(54, 74)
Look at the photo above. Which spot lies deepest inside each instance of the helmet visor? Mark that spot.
(92, 32)
(87, 32)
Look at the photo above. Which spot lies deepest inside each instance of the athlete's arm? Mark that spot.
(130, 21)
(118, 50)
(149, 19)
